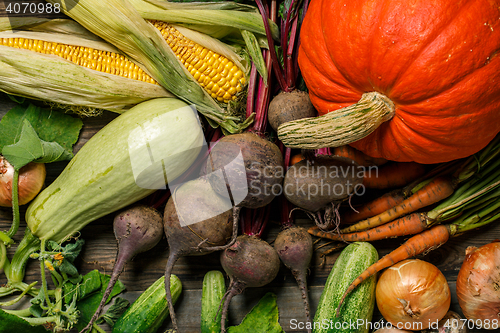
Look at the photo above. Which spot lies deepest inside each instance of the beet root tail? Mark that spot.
(235, 288)
(300, 277)
(172, 258)
(236, 219)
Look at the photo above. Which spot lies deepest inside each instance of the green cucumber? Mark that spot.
(357, 309)
(122, 163)
(148, 312)
(214, 288)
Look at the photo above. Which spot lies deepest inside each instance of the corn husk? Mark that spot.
(226, 17)
(254, 49)
(54, 79)
(13, 23)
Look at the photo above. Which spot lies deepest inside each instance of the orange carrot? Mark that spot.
(296, 159)
(434, 191)
(408, 225)
(427, 240)
(374, 207)
(396, 174)
(358, 156)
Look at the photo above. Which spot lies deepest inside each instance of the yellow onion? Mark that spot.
(478, 285)
(31, 180)
(412, 295)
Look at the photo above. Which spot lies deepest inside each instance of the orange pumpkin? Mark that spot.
(437, 61)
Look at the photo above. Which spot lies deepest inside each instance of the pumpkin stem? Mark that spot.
(340, 127)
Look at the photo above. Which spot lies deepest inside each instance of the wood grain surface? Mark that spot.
(100, 250)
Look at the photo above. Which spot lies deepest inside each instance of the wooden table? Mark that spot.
(100, 250)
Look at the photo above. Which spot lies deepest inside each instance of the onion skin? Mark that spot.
(478, 283)
(413, 293)
(31, 180)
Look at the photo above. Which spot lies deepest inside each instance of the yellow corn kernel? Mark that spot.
(222, 82)
(215, 88)
(90, 58)
(209, 85)
(219, 76)
(212, 72)
(232, 91)
(196, 76)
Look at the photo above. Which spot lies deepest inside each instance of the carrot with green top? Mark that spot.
(436, 190)
(396, 197)
(409, 225)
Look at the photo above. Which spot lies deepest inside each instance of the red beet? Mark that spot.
(294, 246)
(195, 225)
(137, 230)
(253, 169)
(249, 262)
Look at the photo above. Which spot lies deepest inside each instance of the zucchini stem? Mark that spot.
(18, 298)
(15, 204)
(4, 238)
(16, 270)
(3, 255)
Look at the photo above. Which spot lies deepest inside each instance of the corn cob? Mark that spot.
(99, 60)
(220, 77)
(46, 76)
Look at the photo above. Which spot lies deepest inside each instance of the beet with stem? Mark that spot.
(294, 246)
(249, 262)
(197, 221)
(321, 183)
(137, 229)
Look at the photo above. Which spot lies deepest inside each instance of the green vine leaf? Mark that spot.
(13, 323)
(30, 148)
(50, 126)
